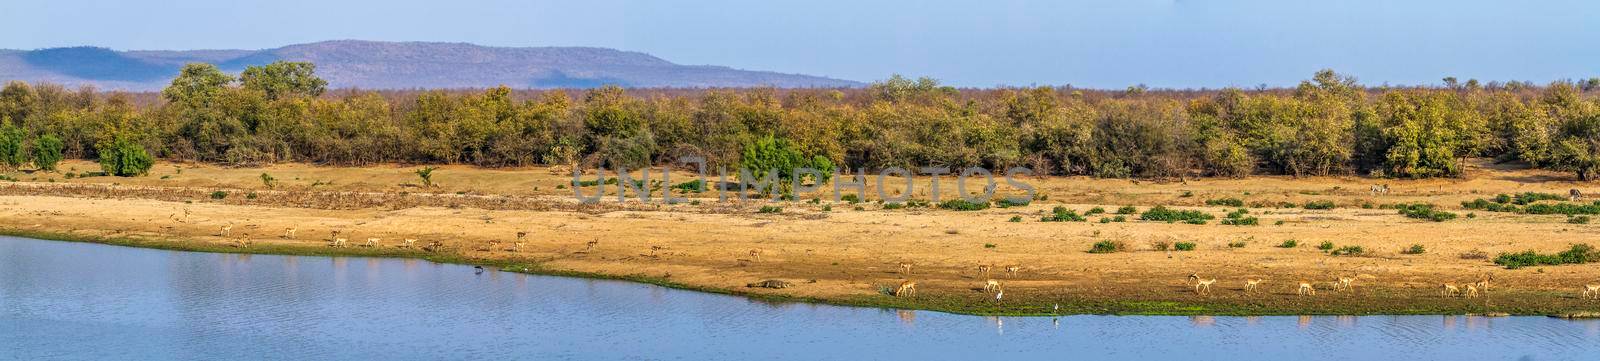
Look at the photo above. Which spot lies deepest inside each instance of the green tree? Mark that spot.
(123, 157)
(12, 153)
(283, 79)
(47, 152)
(196, 85)
(770, 154)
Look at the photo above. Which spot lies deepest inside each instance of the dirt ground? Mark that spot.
(851, 253)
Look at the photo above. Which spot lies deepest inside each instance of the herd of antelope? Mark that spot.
(336, 241)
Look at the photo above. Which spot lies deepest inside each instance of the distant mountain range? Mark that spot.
(396, 65)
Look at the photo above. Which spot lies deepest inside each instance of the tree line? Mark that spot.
(1327, 125)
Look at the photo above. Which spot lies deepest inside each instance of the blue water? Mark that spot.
(77, 301)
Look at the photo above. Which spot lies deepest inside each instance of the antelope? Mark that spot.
(991, 285)
(1378, 189)
(434, 246)
(1250, 284)
(517, 246)
(905, 268)
(409, 242)
(906, 289)
(289, 232)
(590, 246)
(1201, 286)
(1449, 290)
(333, 234)
(371, 242)
(492, 246)
(225, 230)
(1306, 289)
(1012, 270)
(1344, 284)
(983, 270)
(1472, 290)
(1574, 195)
(1591, 292)
(339, 242)
(521, 235)
(756, 254)
(1484, 284)
(242, 243)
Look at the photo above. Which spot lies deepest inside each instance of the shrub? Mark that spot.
(1164, 214)
(1062, 214)
(47, 152)
(1425, 211)
(1236, 244)
(12, 154)
(1160, 245)
(1015, 219)
(851, 198)
(1231, 202)
(1119, 218)
(1105, 219)
(988, 245)
(1107, 246)
(1094, 211)
(1415, 249)
(1183, 246)
(123, 157)
(426, 173)
(1319, 205)
(1474, 254)
(1348, 250)
(1577, 254)
(1578, 220)
(694, 186)
(1326, 245)
(959, 204)
(219, 195)
(895, 205)
(1289, 243)
(1008, 203)
(268, 181)
(1127, 210)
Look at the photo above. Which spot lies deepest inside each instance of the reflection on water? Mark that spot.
(83, 301)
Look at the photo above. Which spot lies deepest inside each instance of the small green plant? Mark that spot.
(219, 195)
(1008, 203)
(1319, 205)
(1015, 219)
(769, 209)
(694, 186)
(1278, 223)
(1164, 214)
(251, 195)
(268, 181)
(988, 245)
(1105, 219)
(1326, 245)
(1183, 246)
(1415, 249)
(1348, 251)
(1425, 211)
(1236, 244)
(1119, 218)
(1127, 210)
(1094, 211)
(1062, 214)
(1289, 243)
(851, 198)
(825, 207)
(959, 204)
(426, 173)
(1107, 246)
(1231, 202)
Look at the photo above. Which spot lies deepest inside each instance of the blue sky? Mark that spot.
(1106, 44)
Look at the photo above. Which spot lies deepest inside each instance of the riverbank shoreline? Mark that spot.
(851, 253)
(533, 268)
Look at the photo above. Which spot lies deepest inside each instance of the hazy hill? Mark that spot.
(392, 65)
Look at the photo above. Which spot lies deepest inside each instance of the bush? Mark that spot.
(1008, 203)
(1289, 243)
(1246, 221)
(1015, 219)
(1107, 246)
(1236, 244)
(1231, 202)
(1183, 246)
(1348, 250)
(694, 186)
(1415, 249)
(1577, 254)
(123, 157)
(1062, 214)
(1105, 219)
(1127, 210)
(851, 198)
(47, 152)
(963, 205)
(1425, 211)
(1164, 214)
(426, 173)
(1119, 218)
(1094, 211)
(1326, 245)
(1319, 205)
(1578, 220)
(219, 195)
(769, 209)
